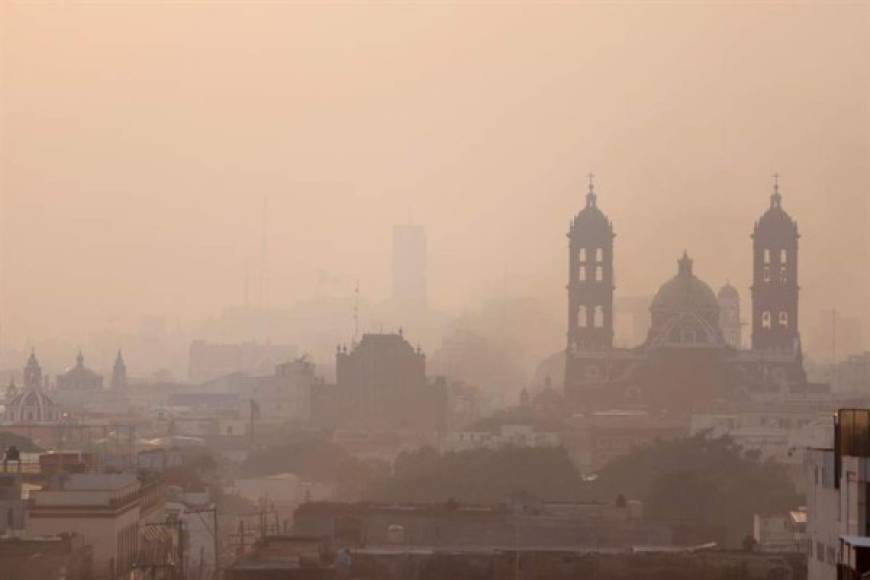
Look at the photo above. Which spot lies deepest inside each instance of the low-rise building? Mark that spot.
(507, 435)
(12, 506)
(838, 520)
(60, 557)
(110, 511)
(780, 532)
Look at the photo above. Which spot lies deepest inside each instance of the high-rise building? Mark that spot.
(409, 266)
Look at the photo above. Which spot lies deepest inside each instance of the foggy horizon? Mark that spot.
(141, 142)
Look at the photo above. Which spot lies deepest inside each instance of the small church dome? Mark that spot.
(728, 293)
(32, 406)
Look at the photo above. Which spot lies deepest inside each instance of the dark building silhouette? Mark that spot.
(32, 372)
(774, 280)
(119, 372)
(590, 282)
(691, 356)
(381, 385)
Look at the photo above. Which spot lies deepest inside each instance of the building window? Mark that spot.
(783, 319)
(765, 319)
(783, 275)
(687, 336)
(582, 274)
(599, 273)
(599, 254)
(582, 254)
(765, 273)
(582, 317)
(766, 256)
(599, 317)
(783, 257)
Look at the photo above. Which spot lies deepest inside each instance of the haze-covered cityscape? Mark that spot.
(431, 291)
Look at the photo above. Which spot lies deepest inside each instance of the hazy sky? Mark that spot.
(140, 139)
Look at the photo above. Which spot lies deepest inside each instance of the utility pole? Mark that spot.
(834, 348)
(215, 539)
(181, 571)
(217, 546)
(355, 313)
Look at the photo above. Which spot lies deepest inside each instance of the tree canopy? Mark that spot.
(700, 480)
(478, 476)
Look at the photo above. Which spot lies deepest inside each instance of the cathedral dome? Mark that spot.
(80, 377)
(685, 292)
(685, 311)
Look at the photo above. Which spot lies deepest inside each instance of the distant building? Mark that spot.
(780, 532)
(209, 361)
(381, 385)
(287, 557)
(852, 376)
(80, 378)
(729, 316)
(284, 394)
(31, 405)
(506, 436)
(523, 522)
(595, 439)
(835, 336)
(119, 372)
(691, 356)
(409, 267)
(777, 431)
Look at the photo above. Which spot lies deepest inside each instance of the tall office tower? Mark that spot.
(409, 266)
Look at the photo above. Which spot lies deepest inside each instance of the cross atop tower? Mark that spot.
(591, 197)
(776, 198)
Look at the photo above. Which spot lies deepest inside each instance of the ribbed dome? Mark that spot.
(32, 406)
(685, 292)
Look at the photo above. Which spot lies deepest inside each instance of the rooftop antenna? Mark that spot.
(590, 196)
(356, 311)
(263, 253)
(247, 284)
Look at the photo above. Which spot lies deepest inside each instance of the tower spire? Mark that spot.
(591, 197)
(684, 264)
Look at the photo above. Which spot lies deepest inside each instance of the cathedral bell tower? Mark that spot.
(775, 279)
(590, 279)
(32, 373)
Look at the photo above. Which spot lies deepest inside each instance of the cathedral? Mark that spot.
(692, 357)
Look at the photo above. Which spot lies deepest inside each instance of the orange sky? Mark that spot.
(139, 140)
